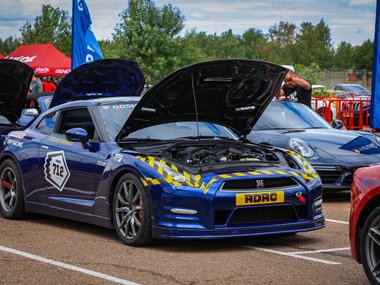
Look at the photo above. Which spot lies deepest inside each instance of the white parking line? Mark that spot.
(321, 250)
(67, 266)
(336, 221)
(291, 254)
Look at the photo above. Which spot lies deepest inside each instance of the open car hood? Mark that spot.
(15, 78)
(98, 79)
(232, 93)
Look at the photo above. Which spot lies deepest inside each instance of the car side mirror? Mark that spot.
(77, 135)
(33, 112)
(337, 124)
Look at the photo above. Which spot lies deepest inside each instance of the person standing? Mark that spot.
(296, 89)
(36, 84)
(49, 85)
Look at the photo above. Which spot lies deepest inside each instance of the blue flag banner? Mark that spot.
(84, 47)
(375, 96)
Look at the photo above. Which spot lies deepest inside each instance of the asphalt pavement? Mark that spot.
(49, 250)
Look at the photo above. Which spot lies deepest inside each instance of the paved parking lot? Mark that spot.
(47, 250)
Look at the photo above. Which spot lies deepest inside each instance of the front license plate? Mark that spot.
(257, 198)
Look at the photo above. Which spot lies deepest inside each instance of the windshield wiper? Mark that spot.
(139, 140)
(205, 137)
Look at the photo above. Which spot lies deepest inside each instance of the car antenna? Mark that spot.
(196, 106)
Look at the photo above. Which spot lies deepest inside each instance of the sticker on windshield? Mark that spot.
(56, 171)
(118, 107)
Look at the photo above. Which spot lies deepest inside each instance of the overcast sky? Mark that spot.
(352, 21)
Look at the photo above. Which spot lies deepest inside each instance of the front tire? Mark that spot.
(131, 211)
(11, 191)
(370, 247)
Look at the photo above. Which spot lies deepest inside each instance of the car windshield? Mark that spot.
(186, 130)
(285, 115)
(115, 114)
(4, 121)
(46, 101)
(356, 88)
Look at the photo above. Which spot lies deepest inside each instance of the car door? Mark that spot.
(70, 169)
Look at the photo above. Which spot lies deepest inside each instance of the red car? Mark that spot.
(365, 220)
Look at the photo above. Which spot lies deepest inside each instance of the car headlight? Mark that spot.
(301, 147)
(174, 174)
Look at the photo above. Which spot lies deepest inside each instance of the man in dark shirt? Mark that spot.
(296, 89)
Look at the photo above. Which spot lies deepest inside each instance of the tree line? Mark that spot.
(154, 37)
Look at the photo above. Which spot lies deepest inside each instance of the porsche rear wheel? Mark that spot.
(370, 247)
(131, 211)
(11, 191)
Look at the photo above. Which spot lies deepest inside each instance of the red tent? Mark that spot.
(1, 56)
(45, 59)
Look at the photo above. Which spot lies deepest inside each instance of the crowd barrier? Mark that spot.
(354, 113)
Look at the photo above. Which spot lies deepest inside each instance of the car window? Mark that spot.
(47, 124)
(356, 88)
(5, 121)
(76, 118)
(280, 115)
(46, 101)
(178, 130)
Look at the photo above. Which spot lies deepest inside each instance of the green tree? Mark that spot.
(344, 56)
(52, 26)
(282, 37)
(196, 47)
(282, 34)
(313, 44)
(108, 48)
(253, 41)
(363, 55)
(313, 72)
(149, 35)
(229, 45)
(8, 45)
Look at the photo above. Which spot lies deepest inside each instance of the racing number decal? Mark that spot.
(56, 171)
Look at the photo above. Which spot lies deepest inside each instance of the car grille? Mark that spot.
(329, 176)
(252, 184)
(347, 180)
(268, 214)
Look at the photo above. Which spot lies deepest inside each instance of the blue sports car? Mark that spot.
(173, 164)
(335, 154)
(35, 104)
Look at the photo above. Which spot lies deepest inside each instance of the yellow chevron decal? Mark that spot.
(175, 168)
(195, 180)
(144, 182)
(225, 176)
(153, 181)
